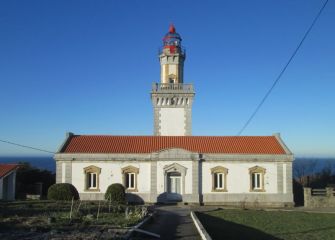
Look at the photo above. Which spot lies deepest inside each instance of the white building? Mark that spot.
(7, 181)
(172, 165)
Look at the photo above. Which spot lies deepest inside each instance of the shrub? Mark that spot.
(116, 193)
(62, 191)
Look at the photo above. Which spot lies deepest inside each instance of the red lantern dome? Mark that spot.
(172, 39)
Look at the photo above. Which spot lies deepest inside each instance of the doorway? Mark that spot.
(174, 183)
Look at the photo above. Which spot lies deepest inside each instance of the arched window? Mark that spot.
(129, 175)
(219, 179)
(257, 179)
(92, 174)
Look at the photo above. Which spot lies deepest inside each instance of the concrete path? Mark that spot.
(171, 222)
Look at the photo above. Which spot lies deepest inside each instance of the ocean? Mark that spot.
(45, 162)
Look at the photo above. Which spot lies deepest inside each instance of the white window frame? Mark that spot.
(131, 184)
(218, 176)
(219, 179)
(90, 180)
(128, 173)
(257, 179)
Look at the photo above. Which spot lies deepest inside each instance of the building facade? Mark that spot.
(8, 181)
(172, 165)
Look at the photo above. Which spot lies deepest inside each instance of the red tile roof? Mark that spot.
(148, 144)
(7, 168)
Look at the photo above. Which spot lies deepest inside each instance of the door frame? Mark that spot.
(175, 167)
(169, 189)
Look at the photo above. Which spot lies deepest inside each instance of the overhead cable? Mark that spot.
(283, 70)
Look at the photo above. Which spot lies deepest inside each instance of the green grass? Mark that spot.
(257, 224)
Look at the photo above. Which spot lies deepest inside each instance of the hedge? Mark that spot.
(116, 193)
(62, 191)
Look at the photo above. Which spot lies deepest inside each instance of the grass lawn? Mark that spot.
(257, 224)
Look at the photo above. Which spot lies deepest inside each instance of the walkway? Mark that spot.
(171, 222)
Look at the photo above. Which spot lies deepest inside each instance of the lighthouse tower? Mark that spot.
(171, 98)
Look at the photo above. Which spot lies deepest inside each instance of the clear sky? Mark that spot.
(88, 66)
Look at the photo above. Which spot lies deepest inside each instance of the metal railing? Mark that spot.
(172, 87)
(319, 192)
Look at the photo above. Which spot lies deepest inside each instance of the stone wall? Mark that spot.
(316, 198)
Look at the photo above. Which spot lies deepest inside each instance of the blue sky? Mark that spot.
(87, 67)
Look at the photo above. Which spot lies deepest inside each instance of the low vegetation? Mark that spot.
(63, 191)
(116, 193)
(67, 220)
(257, 224)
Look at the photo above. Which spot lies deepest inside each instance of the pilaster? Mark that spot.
(153, 181)
(195, 177)
(58, 172)
(157, 121)
(280, 177)
(68, 172)
(289, 187)
(188, 121)
(195, 182)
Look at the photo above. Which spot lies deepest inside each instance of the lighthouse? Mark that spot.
(172, 99)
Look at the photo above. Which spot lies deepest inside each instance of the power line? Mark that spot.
(283, 70)
(25, 146)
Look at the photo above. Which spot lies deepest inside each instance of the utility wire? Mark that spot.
(283, 70)
(25, 146)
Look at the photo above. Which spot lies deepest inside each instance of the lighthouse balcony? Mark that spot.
(172, 87)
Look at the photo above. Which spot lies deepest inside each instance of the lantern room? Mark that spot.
(172, 40)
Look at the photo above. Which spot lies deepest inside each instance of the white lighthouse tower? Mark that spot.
(171, 98)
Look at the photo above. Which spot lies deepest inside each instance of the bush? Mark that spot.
(116, 193)
(62, 191)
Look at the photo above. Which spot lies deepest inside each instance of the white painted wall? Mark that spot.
(172, 121)
(160, 175)
(111, 173)
(11, 179)
(238, 178)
